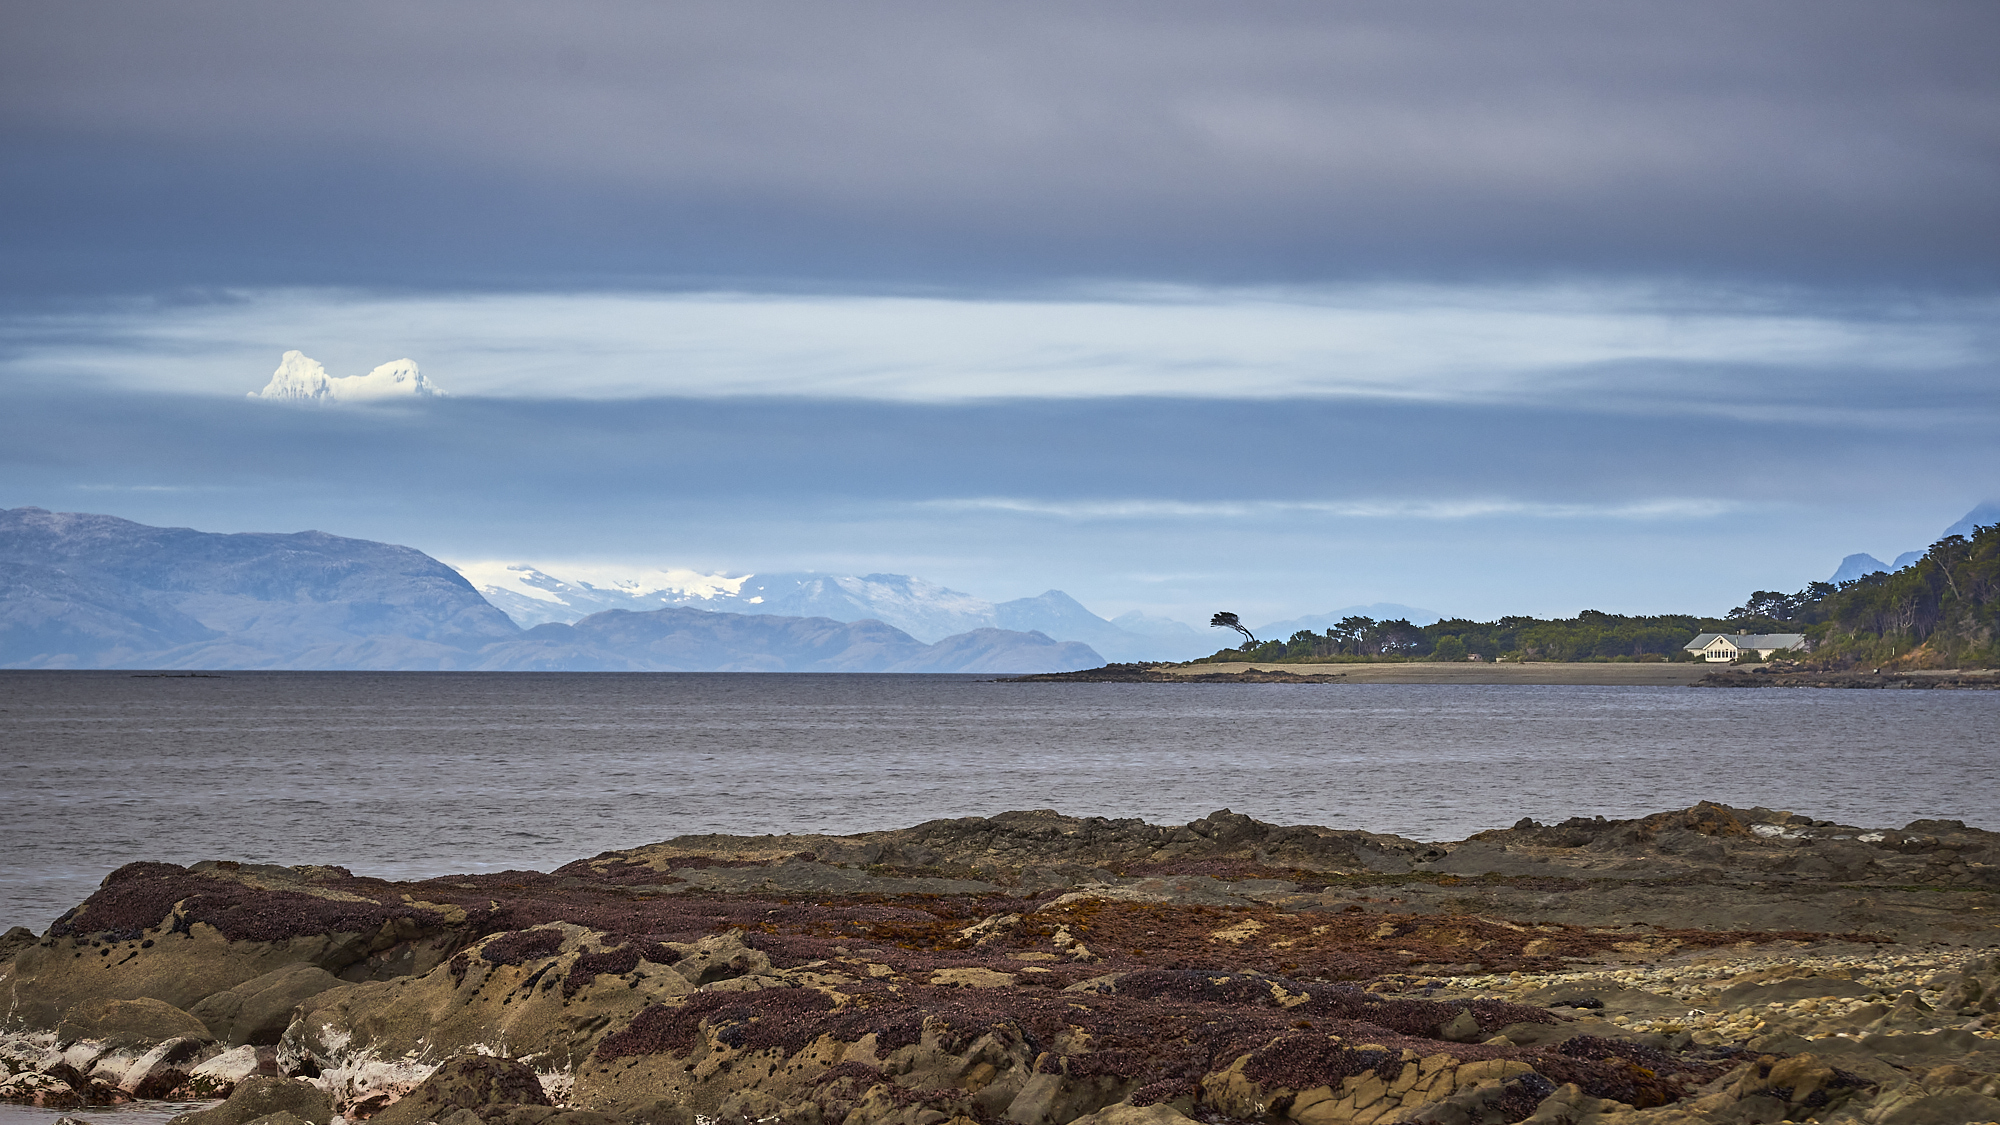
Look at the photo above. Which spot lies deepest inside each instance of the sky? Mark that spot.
(1176, 307)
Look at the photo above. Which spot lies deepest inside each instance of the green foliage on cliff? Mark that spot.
(1942, 611)
(1589, 635)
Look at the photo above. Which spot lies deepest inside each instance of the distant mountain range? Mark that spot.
(94, 591)
(925, 610)
(91, 591)
(682, 639)
(1859, 565)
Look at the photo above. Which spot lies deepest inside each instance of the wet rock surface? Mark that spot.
(260, 1009)
(1972, 679)
(1708, 964)
(469, 1083)
(258, 1098)
(1150, 674)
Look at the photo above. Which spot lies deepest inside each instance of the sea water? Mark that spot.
(415, 774)
(149, 1112)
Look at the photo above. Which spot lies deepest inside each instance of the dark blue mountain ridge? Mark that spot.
(80, 590)
(683, 639)
(924, 609)
(1856, 565)
(1984, 515)
(1861, 564)
(87, 590)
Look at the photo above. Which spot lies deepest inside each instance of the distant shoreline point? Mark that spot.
(1413, 672)
(1528, 673)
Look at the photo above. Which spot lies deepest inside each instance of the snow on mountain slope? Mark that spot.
(923, 609)
(561, 593)
(300, 378)
(534, 597)
(79, 590)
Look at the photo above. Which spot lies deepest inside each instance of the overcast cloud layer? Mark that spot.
(1276, 508)
(913, 143)
(1739, 351)
(1488, 308)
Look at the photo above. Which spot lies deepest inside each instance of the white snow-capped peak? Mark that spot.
(300, 378)
(587, 583)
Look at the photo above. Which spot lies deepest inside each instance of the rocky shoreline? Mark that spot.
(1710, 964)
(1152, 674)
(1592, 674)
(1956, 679)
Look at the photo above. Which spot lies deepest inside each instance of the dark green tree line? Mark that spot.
(1941, 611)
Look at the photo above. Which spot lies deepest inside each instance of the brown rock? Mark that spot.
(1056, 1099)
(258, 1010)
(1125, 1113)
(14, 941)
(258, 1098)
(1462, 1028)
(973, 978)
(719, 958)
(44, 1088)
(1800, 1076)
(1919, 1108)
(179, 970)
(466, 1082)
(282, 1117)
(542, 1004)
(128, 1023)
(164, 1069)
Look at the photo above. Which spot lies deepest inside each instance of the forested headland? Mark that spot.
(1942, 611)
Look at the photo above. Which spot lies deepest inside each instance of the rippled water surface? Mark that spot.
(130, 1113)
(409, 774)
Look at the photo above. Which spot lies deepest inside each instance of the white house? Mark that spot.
(1718, 647)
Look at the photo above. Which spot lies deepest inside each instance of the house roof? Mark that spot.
(1761, 641)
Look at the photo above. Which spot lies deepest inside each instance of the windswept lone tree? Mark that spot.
(1230, 621)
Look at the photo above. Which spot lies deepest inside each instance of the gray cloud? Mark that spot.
(1820, 163)
(512, 143)
(1284, 507)
(1738, 353)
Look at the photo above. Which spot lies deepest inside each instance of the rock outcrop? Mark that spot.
(259, 1098)
(472, 1084)
(260, 1009)
(1710, 964)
